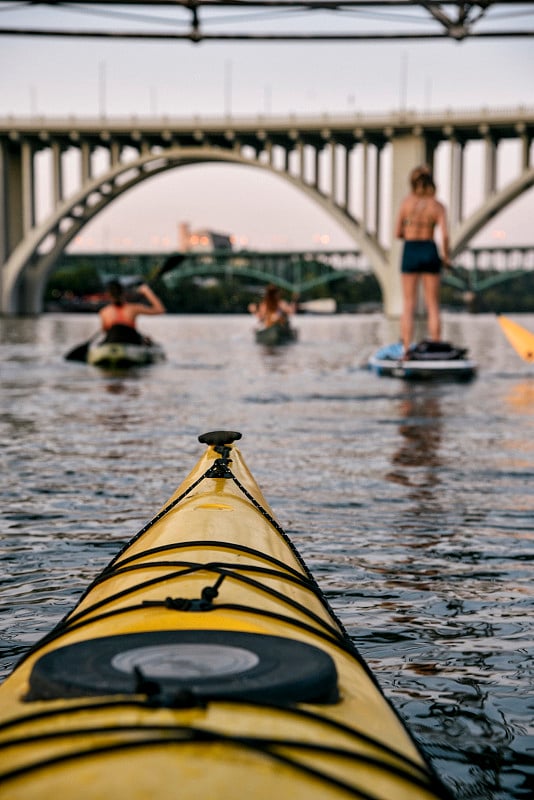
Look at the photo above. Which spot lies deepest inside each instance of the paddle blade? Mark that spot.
(78, 353)
(521, 340)
(170, 263)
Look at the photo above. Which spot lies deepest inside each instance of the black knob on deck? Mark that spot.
(219, 438)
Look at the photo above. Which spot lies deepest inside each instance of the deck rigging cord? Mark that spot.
(406, 767)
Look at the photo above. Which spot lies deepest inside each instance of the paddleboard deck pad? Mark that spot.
(425, 360)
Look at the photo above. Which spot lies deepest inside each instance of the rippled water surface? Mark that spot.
(412, 504)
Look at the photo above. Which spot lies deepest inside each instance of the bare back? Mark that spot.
(418, 217)
(126, 313)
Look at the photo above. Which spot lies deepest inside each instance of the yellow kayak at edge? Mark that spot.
(204, 662)
(521, 339)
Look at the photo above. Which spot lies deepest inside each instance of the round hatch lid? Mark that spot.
(205, 664)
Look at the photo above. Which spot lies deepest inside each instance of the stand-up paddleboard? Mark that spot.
(205, 662)
(425, 360)
(519, 337)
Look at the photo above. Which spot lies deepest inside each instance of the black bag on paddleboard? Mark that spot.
(436, 351)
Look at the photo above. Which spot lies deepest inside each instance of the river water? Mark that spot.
(412, 504)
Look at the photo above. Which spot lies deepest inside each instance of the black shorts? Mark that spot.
(420, 255)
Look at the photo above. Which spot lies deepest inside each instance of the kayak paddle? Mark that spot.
(79, 353)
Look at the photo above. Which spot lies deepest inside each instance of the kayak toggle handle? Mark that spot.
(219, 438)
(220, 467)
(221, 441)
(181, 604)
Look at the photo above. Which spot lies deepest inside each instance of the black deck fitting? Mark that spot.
(219, 438)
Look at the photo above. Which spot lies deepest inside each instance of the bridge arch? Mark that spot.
(68, 219)
(470, 226)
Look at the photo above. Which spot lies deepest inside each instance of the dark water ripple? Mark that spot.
(412, 505)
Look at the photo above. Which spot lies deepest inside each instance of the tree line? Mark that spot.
(77, 283)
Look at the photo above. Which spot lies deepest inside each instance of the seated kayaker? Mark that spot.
(119, 316)
(272, 309)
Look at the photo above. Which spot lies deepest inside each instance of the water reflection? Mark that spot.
(417, 460)
(121, 382)
(520, 397)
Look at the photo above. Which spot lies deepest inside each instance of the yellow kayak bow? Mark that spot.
(204, 662)
(520, 338)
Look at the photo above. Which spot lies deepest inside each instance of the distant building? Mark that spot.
(201, 241)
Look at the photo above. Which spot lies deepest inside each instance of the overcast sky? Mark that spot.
(57, 76)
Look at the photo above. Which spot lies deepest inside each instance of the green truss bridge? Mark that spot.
(475, 269)
(302, 272)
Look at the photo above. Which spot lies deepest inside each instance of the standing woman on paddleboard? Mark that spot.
(419, 216)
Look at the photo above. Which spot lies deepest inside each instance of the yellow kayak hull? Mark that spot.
(521, 339)
(204, 662)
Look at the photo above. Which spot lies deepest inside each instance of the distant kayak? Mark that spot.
(278, 333)
(426, 360)
(205, 662)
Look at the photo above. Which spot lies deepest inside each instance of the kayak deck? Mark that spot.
(123, 355)
(204, 656)
(121, 347)
(278, 333)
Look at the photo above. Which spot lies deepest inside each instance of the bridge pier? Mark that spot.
(12, 204)
(17, 220)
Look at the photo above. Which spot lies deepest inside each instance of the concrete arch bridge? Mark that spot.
(353, 166)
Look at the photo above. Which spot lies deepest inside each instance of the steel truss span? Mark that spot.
(291, 20)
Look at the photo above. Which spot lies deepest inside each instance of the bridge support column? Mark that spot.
(365, 183)
(378, 190)
(333, 170)
(28, 187)
(57, 177)
(12, 214)
(348, 180)
(4, 204)
(85, 163)
(525, 151)
(316, 167)
(490, 166)
(29, 291)
(456, 190)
